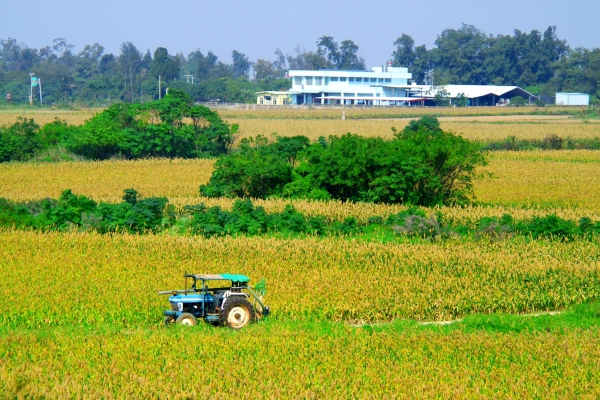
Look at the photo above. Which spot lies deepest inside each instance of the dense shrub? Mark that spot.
(154, 129)
(19, 141)
(140, 215)
(422, 165)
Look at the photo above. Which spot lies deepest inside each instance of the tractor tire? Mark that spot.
(169, 320)
(237, 313)
(187, 319)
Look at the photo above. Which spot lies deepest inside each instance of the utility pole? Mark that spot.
(40, 82)
(159, 92)
(31, 74)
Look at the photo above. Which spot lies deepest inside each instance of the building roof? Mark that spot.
(470, 91)
(276, 92)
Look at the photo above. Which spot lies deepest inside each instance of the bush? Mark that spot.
(20, 141)
(548, 227)
(517, 101)
(423, 165)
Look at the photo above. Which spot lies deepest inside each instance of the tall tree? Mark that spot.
(264, 69)
(88, 61)
(404, 55)
(241, 64)
(328, 49)
(130, 62)
(458, 56)
(164, 65)
(348, 58)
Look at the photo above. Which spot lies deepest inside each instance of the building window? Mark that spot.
(274, 101)
(309, 80)
(261, 100)
(373, 80)
(349, 94)
(351, 80)
(334, 79)
(358, 80)
(343, 79)
(318, 80)
(388, 80)
(380, 80)
(297, 80)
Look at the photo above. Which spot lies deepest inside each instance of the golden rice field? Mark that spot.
(94, 279)
(81, 317)
(296, 362)
(522, 184)
(533, 127)
(41, 117)
(76, 117)
(370, 122)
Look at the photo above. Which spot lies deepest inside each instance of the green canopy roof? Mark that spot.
(217, 277)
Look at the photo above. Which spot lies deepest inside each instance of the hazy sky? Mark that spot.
(257, 28)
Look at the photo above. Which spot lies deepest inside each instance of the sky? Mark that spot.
(258, 27)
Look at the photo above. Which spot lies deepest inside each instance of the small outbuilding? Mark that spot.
(273, 98)
(572, 99)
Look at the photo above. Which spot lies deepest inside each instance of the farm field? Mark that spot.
(564, 182)
(81, 318)
(352, 318)
(473, 123)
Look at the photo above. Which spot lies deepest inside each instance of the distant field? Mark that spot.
(473, 128)
(313, 123)
(563, 182)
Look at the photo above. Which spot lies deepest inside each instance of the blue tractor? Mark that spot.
(222, 300)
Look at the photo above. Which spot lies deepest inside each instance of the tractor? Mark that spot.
(221, 300)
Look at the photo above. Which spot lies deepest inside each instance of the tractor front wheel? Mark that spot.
(187, 319)
(169, 320)
(237, 313)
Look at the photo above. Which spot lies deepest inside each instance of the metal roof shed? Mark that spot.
(572, 99)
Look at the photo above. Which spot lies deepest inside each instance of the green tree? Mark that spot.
(164, 65)
(517, 101)
(253, 172)
(130, 63)
(404, 55)
(241, 64)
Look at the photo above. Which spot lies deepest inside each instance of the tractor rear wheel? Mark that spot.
(237, 313)
(187, 319)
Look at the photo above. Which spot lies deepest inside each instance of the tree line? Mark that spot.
(131, 131)
(538, 61)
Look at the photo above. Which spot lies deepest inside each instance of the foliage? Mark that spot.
(258, 170)
(422, 165)
(550, 142)
(517, 101)
(77, 212)
(154, 129)
(20, 141)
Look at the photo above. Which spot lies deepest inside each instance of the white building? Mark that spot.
(573, 99)
(386, 86)
(476, 95)
(381, 86)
